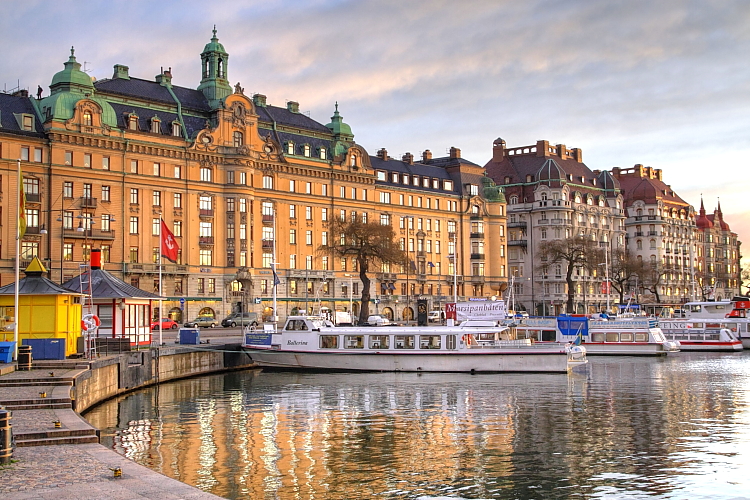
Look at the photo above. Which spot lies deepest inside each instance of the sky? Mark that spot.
(662, 83)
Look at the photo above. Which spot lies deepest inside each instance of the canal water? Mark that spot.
(676, 428)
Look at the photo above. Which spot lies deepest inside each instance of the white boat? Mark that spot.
(474, 346)
(635, 336)
(709, 326)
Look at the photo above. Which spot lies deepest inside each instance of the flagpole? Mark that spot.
(161, 302)
(18, 258)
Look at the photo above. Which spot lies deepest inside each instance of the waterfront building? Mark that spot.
(243, 185)
(718, 272)
(552, 194)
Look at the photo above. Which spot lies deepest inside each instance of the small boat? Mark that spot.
(709, 326)
(473, 346)
(634, 336)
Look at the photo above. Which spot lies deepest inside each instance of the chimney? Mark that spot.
(577, 154)
(638, 169)
(455, 153)
(426, 156)
(562, 151)
(96, 258)
(164, 78)
(498, 149)
(21, 93)
(616, 172)
(382, 154)
(292, 106)
(259, 100)
(657, 173)
(542, 148)
(408, 158)
(121, 72)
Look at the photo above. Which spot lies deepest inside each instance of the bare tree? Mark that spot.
(573, 252)
(652, 277)
(624, 268)
(371, 243)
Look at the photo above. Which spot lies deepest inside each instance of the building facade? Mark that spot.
(242, 184)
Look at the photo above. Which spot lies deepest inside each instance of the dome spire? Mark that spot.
(215, 82)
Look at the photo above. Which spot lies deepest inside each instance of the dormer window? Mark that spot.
(132, 122)
(475, 209)
(381, 175)
(415, 180)
(435, 184)
(306, 150)
(290, 148)
(176, 129)
(473, 189)
(323, 153)
(27, 123)
(448, 185)
(155, 125)
(353, 161)
(394, 178)
(87, 119)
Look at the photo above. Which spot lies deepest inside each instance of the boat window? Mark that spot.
(597, 337)
(548, 335)
(731, 326)
(404, 341)
(329, 341)
(450, 341)
(429, 341)
(708, 336)
(626, 337)
(354, 341)
(613, 337)
(379, 342)
(696, 325)
(296, 324)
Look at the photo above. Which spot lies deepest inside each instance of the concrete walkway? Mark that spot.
(66, 462)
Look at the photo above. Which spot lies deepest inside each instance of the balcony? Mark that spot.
(421, 277)
(205, 240)
(267, 219)
(33, 198)
(267, 244)
(476, 235)
(138, 268)
(206, 212)
(478, 256)
(33, 230)
(521, 224)
(477, 279)
(90, 234)
(639, 233)
(88, 202)
(653, 233)
(517, 243)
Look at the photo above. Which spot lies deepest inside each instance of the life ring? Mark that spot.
(84, 326)
(95, 319)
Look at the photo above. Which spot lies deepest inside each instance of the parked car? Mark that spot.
(202, 321)
(246, 318)
(166, 324)
(378, 320)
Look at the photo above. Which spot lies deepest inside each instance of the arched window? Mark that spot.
(513, 200)
(652, 244)
(306, 150)
(544, 196)
(290, 148)
(239, 139)
(639, 245)
(353, 161)
(323, 153)
(221, 68)
(87, 118)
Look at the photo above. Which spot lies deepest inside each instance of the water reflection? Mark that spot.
(631, 428)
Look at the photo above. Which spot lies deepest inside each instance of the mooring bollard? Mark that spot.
(116, 471)
(24, 358)
(6, 437)
(42, 394)
(57, 423)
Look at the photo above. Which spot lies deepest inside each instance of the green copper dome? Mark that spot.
(72, 78)
(214, 45)
(337, 125)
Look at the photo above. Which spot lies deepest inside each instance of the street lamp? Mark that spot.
(409, 219)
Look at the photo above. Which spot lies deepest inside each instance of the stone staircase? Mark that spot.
(54, 437)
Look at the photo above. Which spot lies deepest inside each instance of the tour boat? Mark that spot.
(618, 336)
(474, 346)
(710, 326)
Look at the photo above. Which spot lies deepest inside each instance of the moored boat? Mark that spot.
(709, 326)
(474, 346)
(618, 336)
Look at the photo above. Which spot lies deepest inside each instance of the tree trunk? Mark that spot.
(364, 305)
(571, 291)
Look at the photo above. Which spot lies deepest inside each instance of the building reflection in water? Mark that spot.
(627, 427)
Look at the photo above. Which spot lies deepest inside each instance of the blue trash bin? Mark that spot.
(190, 336)
(7, 350)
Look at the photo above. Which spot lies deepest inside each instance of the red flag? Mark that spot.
(169, 247)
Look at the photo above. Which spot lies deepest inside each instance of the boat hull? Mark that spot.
(625, 349)
(517, 361)
(710, 346)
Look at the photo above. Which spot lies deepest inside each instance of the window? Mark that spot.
(67, 220)
(206, 257)
(292, 265)
(28, 122)
(133, 196)
(155, 125)
(177, 172)
(87, 160)
(448, 185)
(324, 214)
(87, 119)
(267, 182)
(342, 192)
(206, 174)
(157, 198)
(155, 227)
(133, 225)
(293, 186)
(238, 139)
(385, 219)
(308, 238)
(230, 204)
(230, 177)
(201, 285)
(243, 205)
(105, 224)
(385, 197)
(308, 213)
(177, 228)
(308, 265)
(69, 157)
(67, 189)
(106, 253)
(25, 153)
(211, 285)
(308, 187)
(290, 148)
(38, 155)
(105, 163)
(177, 200)
(157, 169)
(292, 236)
(322, 153)
(306, 150)
(176, 129)
(292, 211)
(68, 251)
(324, 189)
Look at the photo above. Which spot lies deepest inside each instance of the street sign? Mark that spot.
(182, 303)
(256, 300)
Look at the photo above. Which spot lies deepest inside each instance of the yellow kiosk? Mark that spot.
(49, 316)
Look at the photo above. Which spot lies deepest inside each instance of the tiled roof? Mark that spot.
(153, 91)
(647, 189)
(517, 167)
(106, 286)
(35, 284)
(421, 169)
(283, 116)
(11, 105)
